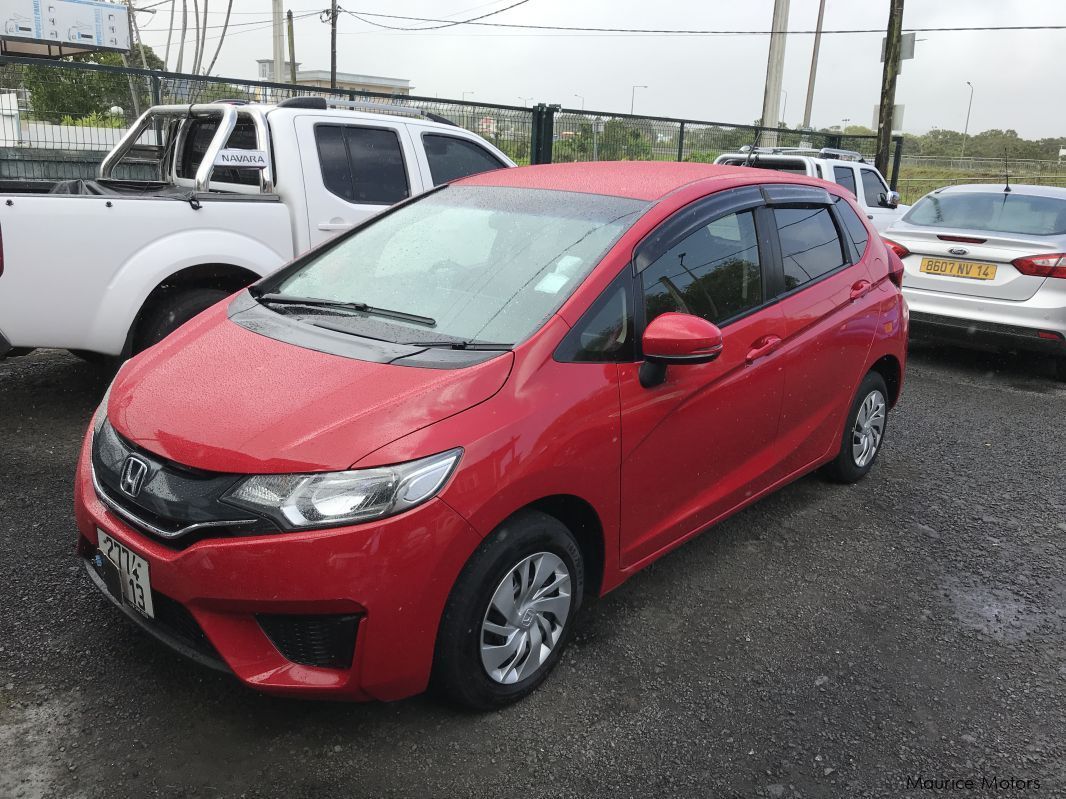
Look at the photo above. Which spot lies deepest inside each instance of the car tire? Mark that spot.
(864, 432)
(527, 553)
(174, 310)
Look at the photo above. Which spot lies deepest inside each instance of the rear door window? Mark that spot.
(845, 176)
(362, 165)
(198, 138)
(860, 236)
(810, 244)
(451, 158)
(872, 187)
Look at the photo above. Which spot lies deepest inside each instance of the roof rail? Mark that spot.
(321, 103)
(824, 152)
(842, 155)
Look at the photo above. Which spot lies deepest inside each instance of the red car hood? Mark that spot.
(218, 397)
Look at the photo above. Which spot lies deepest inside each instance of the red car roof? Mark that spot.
(641, 180)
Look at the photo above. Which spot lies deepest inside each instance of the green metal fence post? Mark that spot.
(897, 158)
(548, 139)
(681, 143)
(535, 133)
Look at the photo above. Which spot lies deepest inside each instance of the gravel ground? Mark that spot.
(828, 642)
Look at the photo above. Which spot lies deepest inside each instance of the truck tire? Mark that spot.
(172, 312)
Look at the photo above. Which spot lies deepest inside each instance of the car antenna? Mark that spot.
(753, 157)
(1006, 173)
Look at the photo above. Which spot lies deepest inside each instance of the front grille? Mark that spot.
(327, 641)
(175, 504)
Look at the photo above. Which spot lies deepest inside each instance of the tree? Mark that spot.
(56, 92)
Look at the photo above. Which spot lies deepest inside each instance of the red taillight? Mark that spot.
(1051, 265)
(1050, 335)
(895, 268)
(898, 249)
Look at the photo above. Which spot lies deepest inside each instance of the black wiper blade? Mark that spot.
(356, 307)
(461, 345)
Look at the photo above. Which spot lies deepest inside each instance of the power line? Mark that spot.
(669, 31)
(446, 23)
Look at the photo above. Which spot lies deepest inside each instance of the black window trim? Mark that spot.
(627, 279)
(471, 141)
(842, 235)
(699, 214)
(403, 159)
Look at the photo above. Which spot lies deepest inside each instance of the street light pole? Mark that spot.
(525, 100)
(465, 93)
(582, 98)
(633, 97)
(966, 130)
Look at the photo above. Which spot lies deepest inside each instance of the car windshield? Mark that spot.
(999, 211)
(482, 264)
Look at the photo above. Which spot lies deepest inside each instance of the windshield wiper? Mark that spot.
(355, 307)
(461, 345)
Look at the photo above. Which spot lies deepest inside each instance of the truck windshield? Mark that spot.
(994, 211)
(484, 264)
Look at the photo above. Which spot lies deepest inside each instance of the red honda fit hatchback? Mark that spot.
(403, 459)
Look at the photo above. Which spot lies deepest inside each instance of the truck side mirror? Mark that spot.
(890, 200)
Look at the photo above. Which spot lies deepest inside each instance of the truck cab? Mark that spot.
(845, 167)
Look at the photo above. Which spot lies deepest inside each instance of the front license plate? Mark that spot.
(134, 583)
(967, 269)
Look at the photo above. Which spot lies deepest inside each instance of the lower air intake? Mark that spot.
(326, 641)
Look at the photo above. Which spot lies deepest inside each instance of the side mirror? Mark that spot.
(890, 200)
(677, 338)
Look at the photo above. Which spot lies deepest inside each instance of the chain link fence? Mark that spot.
(58, 119)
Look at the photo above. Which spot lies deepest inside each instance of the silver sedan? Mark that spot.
(985, 266)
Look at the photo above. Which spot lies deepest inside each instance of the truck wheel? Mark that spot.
(172, 312)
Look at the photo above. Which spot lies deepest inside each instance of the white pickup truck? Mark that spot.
(846, 167)
(109, 267)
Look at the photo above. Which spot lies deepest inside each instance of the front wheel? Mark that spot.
(510, 613)
(864, 432)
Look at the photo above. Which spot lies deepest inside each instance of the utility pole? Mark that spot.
(333, 45)
(775, 68)
(292, 47)
(888, 85)
(279, 42)
(966, 130)
(814, 66)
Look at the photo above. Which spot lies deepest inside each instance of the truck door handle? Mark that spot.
(333, 226)
(762, 347)
(859, 289)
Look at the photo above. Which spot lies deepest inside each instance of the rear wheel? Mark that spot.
(864, 432)
(172, 311)
(510, 613)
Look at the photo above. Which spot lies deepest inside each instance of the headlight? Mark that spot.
(330, 499)
(101, 409)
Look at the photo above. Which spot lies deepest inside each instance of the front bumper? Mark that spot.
(393, 575)
(992, 324)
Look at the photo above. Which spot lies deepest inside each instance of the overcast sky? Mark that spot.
(1017, 75)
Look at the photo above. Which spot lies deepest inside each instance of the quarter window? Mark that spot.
(605, 333)
(362, 165)
(810, 244)
(845, 176)
(872, 187)
(451, 158)
(856, 229)
(714, 272)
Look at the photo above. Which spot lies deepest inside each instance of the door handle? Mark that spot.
(859, 289)
(333, 226)
(762, 347)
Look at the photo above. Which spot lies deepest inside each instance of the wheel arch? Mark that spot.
(223, 276)
(888, 366)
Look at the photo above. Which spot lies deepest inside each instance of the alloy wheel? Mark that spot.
(525, 618)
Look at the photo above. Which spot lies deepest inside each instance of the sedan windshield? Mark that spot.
(481, 264)
(1002, 212)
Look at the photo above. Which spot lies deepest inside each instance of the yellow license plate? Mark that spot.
(968, 269)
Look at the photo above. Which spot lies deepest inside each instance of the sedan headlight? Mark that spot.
(331, 499)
